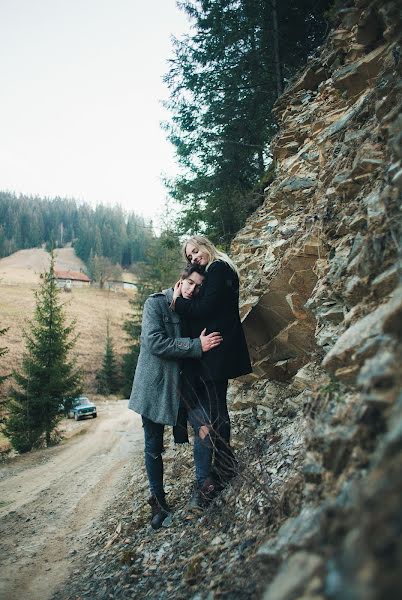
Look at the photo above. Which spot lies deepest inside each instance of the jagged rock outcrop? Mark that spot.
(321, 303)
(322, 250)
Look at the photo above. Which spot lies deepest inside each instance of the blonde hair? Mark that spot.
(203, 244)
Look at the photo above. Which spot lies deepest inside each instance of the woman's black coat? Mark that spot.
(217, 308)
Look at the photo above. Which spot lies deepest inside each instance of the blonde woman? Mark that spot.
(216, 308)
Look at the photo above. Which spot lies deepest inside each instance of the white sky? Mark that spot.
(80, 99)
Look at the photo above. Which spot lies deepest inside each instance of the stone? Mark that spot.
(313, 472)
(358, 223)
(397, 179)
(337, 446)
(380, 378)
(393, 317)
(374, 206)
(347, 374)
(357, 77)
(335, 314)
(303, 282)
(264, 413)
(392, 442)
(314, 247)
(294, 577)
(344, 351)
(369, 28)
(295, 184)
(364, 165)
(296, 303)
(385, 283)
(344, 121)
(355, 289)
(308, 377)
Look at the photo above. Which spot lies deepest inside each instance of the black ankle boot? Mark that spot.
(202, 495)
(161, 516)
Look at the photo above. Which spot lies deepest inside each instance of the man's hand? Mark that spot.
(210, 341)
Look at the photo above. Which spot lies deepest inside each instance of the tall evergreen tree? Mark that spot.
(132, 327)
(3, 351)
(48, 375)
(108, 378)
(223, 81)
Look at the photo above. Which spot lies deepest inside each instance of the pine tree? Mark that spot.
(108, 378)
(48, 375)
(3, 351)
(223, 80)
(132, 327)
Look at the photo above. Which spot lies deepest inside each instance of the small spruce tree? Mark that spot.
(48, 376)
(108, 378)
(3, 351)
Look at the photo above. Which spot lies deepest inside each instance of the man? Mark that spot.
(156, 387)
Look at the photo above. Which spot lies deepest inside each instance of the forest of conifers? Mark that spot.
(28, 222)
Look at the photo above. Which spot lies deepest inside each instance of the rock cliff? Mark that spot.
(321, 302)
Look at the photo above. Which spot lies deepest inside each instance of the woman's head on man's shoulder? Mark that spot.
(199, 250)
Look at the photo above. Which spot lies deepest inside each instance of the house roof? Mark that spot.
(74, 275)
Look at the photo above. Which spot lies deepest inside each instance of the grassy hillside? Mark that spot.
(19, 277)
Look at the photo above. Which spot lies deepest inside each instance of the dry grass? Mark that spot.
(88, 306)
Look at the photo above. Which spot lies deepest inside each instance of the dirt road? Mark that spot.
(50, 500)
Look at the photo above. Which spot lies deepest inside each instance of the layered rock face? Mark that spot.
(321, 301)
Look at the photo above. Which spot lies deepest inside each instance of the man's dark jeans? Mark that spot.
(153, 437)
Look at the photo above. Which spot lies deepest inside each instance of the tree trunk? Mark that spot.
(277, 58)
(261, 166)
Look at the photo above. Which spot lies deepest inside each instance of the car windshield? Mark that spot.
(79, 401)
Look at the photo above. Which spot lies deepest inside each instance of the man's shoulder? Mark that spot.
(159, 301)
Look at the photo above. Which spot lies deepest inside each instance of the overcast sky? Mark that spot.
(80, 99)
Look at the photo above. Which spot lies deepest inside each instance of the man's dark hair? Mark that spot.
(192, 268)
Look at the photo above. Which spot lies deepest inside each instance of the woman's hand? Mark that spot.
(177, 290)
(210, 341)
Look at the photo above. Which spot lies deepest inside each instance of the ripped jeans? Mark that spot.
(207, 406)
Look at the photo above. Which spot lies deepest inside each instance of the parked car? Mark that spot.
(82, 407)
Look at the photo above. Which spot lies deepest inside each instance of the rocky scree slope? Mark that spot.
(315, 512)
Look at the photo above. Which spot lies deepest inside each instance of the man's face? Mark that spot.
(191, 285)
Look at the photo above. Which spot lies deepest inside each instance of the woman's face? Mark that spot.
(195, 255)
(191, 285)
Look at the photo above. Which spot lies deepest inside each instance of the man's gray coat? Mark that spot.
(156, 386)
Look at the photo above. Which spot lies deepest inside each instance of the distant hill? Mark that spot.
(25, 266)
(19, 278)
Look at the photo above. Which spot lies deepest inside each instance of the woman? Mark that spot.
(216, 308)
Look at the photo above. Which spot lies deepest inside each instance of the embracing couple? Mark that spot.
(192, 343)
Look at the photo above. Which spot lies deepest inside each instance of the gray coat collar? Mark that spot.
(168, 293)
